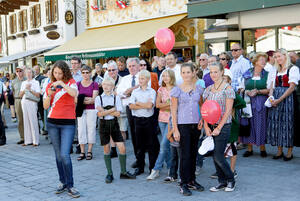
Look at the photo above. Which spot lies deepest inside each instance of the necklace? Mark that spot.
(218, 86)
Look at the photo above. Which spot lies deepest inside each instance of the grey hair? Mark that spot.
(217, 64)
(112, 63)
(135, 59)
(205, 55)
(214, 56)
(98, 64)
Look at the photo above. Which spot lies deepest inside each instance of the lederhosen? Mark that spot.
(109, 128)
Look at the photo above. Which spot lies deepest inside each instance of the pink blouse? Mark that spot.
(164, 115)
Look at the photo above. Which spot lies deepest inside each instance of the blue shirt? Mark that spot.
(238, 68)
(77, 77)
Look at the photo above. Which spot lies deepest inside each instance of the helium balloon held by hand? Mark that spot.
(164, 40)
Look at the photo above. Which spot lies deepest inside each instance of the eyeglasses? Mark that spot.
(223, 59)
(85, 72)
(111, 70)
(74, 63)
(143, 64)
(235, 50)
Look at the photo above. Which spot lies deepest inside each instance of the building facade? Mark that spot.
(30, 28)
(127, 28)
(258, 25)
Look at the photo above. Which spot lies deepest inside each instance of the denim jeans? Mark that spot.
(175, 153)
(222, 167)
(164, 152)
(62, 138)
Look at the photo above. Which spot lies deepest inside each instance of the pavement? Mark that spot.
(30, 174)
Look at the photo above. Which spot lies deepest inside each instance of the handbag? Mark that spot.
(31, 97)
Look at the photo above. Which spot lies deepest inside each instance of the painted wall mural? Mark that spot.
(107, 12)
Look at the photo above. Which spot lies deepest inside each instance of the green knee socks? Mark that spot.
(107, 160)
(122, 158)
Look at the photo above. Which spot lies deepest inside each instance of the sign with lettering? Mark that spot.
(53, 35)
(69, 17)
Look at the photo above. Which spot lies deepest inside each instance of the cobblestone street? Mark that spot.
(29, 174)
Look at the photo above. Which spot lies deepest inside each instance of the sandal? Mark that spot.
(81, 156)
(89, 156)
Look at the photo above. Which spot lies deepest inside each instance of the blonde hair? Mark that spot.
(172, 77)
(145, 73)
(257, 56)
(285, 53)
(109, 80)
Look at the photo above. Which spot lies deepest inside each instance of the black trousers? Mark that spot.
(2, 129)
(189, 136)
(132, 128)
(146, 141)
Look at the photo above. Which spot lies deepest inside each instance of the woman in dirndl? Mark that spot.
(280, 130)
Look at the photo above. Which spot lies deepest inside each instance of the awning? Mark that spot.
(219, 8)
(111, 41)
(14, 57)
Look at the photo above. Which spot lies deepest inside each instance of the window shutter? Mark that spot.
(14, 23)
(31, 15)
(47, 12)
(25, 20)
(38, 15)
(56, 10)
(20, 21)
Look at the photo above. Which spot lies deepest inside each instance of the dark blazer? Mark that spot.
(39, 78)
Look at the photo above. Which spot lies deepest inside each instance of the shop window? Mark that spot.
(259, 40)
(51, 11)
(23, 20)
(289, 38)
(99, 5)
(35, 16)
(13, 23)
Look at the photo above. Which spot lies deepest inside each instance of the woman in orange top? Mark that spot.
(60, 97)
(144, 65)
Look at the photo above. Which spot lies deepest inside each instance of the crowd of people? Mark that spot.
(131, 98)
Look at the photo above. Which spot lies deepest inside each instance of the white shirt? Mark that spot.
(205, 71)
(45, 82)
(272, 71)
(294, 74)
(35, 86)
(108, 100)
(143, 96)
(124, 85)
(177, 71)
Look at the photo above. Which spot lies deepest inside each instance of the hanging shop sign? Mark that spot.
(69, 17)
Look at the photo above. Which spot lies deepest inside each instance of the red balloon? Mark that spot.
(164, 40)
(211, 111)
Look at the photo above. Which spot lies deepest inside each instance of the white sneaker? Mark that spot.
(154, 174)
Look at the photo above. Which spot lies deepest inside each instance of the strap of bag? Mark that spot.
(101, 100)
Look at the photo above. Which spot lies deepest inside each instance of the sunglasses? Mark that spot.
(111, 70)
(19, 71)
(202, 59)
(235, 50)
(85, 72)
(143, 64)
(223, 59)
